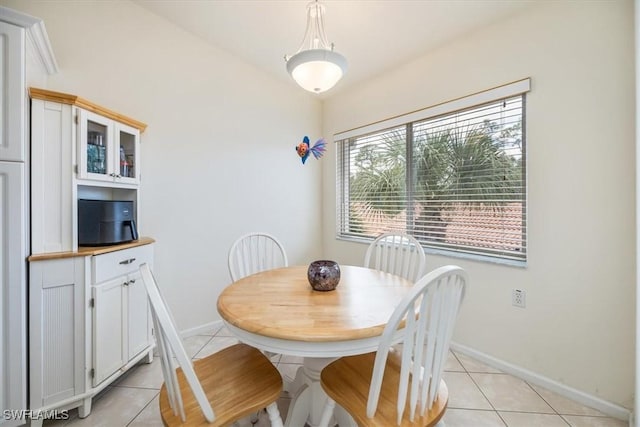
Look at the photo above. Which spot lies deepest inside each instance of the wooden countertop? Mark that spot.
(281, 304)
(91, 250)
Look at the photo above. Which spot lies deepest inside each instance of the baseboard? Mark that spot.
(608, 408)
(199, 330)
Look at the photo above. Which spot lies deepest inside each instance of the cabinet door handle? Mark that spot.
(125, 283)
(127, 261)
(132, 281)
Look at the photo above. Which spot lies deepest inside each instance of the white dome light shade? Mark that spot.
(317, 70)
(316, 67)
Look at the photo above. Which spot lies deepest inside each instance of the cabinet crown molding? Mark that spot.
(65, 98)
(37, 34)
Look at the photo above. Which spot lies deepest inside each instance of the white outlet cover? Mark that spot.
(518, 298)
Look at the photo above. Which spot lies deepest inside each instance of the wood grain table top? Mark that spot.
(281, 304)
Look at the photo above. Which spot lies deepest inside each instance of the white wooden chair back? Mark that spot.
(255, 252)
(428, 315)
(399, 254)
(170, 346)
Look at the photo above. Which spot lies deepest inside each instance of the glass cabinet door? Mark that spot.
(107, 150)
(127, 143)
(95, 147)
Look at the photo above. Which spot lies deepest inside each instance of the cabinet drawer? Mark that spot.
(118, 263)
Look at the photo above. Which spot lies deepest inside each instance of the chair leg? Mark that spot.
(274, 415)
(327, 413)
(343, 418)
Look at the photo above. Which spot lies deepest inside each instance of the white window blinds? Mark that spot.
(456, 181)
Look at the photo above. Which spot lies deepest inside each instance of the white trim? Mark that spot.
(505, 91)
(200, 330)
(36, 33)
(581, 397)
(17, 18)
(445, 252)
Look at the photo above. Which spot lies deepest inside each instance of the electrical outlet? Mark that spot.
(519, 298)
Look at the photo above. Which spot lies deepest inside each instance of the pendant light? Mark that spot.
(316, 67)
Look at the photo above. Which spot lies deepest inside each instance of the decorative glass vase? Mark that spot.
(323, 275)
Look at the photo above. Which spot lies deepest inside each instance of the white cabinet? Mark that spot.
(139, 322)
(12, 222)
(108, 328)
(57, 325)
(88, 311)
(107, 150)
(89, 322)
(23, 38)
(121, 326)
(52, 190)
(12, 61)
(76, 152)
(12, 289)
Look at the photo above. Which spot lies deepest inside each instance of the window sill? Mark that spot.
(450, 253)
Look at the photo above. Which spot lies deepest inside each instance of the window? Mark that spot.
(453, 176)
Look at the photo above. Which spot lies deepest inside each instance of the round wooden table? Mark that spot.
(278, 311)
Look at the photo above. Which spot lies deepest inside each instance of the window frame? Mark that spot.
(510, 90)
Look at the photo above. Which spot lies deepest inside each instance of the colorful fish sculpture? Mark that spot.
(303, 149)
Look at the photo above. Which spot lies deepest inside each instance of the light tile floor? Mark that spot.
(479, 396)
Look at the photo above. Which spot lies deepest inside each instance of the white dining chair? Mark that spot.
(404, 388)
(396, 253)
(217, 390)
(255, 252)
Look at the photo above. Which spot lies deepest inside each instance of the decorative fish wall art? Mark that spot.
(303, 149)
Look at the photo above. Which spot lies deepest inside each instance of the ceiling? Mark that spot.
(374, 35)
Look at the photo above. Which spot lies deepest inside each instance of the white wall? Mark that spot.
(218, 153)
(578, 326)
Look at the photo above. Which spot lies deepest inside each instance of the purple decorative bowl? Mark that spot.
(323, 275)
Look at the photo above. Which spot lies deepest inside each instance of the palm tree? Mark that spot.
(380, 182)
(453, 168)
(458, 168)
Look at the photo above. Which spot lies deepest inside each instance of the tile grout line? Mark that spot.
(548, 403)
(143, 408)
(203, 346)
(480, 389)
(566, 421)
(562, 416)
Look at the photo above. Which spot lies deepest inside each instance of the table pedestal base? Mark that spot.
(308, 398)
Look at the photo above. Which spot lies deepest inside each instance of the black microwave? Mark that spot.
(105, 222)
